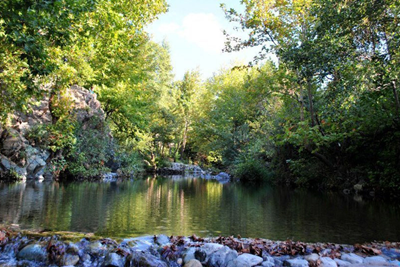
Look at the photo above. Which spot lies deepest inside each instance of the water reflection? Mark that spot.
(194, 206)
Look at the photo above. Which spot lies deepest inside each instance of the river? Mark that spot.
(186, 206)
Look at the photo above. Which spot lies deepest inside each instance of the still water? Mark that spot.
(185, 206)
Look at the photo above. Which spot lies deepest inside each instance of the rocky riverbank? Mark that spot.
(34, 249)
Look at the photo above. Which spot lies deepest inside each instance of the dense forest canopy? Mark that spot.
(325, 114)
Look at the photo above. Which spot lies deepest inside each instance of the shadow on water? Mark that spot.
(184, 206)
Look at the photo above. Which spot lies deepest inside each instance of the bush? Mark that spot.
(251, 170)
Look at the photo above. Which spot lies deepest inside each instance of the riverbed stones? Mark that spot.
(296, 263)
(375, 260)
(352, 258)
(162, 240)
(246, 260)
(193, 263)
(70, 260)
(312, 258)
(144, 259)
(327, 262)
(341, 263)
(222, 257)
(113, 260)
(32, 253)
(189, 254)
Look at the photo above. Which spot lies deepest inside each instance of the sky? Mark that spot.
(194, 31)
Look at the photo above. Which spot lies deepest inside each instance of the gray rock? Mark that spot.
(200, 255)
(341, 262)
(96, 247)
(352, 258)
(141, 243)
(32, 253)
(327, 262)
(222, 176)
(279, 260)
(144, 259)
(162, 240)
(267, 264)
(188, 254)
(113, 260)
(193, 263)
(295, 263)
(72, 249)
(374, 260)
(211, 248)
(222, 257)
(312, 258)
(70, 259)
(246, 260)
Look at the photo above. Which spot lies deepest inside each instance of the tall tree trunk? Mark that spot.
(310, 102)
(184, 138)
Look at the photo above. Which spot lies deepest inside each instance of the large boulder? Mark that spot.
(26, 157)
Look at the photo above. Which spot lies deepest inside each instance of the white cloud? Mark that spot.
(204, 30)
(168, 28)
(200, 29)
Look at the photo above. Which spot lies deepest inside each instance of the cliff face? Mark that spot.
(22, 156)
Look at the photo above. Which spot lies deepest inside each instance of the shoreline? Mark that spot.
(80, 249)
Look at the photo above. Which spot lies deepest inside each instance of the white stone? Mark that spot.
(352, 258)
(342, 262)
(327, 262)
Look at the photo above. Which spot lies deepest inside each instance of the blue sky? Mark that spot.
(193, 29)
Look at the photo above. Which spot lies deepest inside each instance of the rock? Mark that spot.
(327, 262)
(144, 259)
(267, 264)
(113, 260)
(32, 253)
(246, 260)
(20, 149)
(279, 260)
(352, 258)
(189, 254)
(162, 240)
(211, 247)
(222, 177)
(12, 142)
(312, 258)
(179, 261)
(95, 248)
(70, 259)
(193, 263)
(222, 257)
(141, 243)
(375, 260)
(200, 255)
(296, 263)
(72, 249)
(341, 262)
